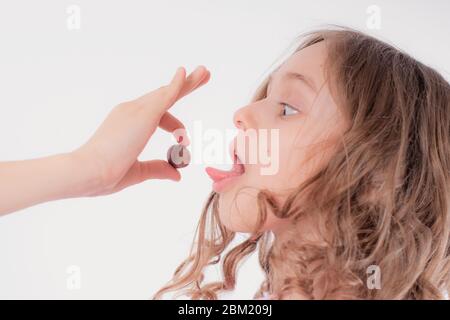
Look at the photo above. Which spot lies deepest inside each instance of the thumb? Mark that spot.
(144, 170)
(157, 169)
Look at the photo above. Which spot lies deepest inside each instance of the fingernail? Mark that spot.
(183, 139)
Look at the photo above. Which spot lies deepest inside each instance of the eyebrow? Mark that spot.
(297, 76)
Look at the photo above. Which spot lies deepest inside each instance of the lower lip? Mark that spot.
(222, 185)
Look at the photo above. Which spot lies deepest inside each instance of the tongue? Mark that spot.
(217, 174)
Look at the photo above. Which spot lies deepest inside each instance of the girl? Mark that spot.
(362, 187)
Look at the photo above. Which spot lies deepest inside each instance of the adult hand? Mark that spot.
(112, 152)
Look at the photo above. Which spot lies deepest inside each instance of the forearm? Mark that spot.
(29, 182)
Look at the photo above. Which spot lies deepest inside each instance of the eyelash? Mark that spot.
(283, 104)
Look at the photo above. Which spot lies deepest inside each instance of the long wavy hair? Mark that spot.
(382, 200)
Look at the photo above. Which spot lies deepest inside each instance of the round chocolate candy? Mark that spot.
(178, 156)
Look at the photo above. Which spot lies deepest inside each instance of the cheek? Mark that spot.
(308, 146)
(288, 156)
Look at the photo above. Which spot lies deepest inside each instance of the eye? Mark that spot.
(288, 110)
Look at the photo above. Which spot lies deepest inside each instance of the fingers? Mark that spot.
(195, 80)
(181, 86)
(162, 99)
(176, 85)
(205, 79)
(155, 104)
(165, 96)
(171, 124)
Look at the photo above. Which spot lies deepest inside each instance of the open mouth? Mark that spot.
(223, 178)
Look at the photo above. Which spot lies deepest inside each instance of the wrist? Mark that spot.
(87, 176)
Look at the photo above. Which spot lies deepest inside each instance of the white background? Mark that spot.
(57, 85)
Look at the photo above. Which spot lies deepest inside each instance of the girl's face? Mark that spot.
(300, 108)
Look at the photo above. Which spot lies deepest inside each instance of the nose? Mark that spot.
(243, 118)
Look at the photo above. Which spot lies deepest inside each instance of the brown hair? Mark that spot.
(383, 199)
